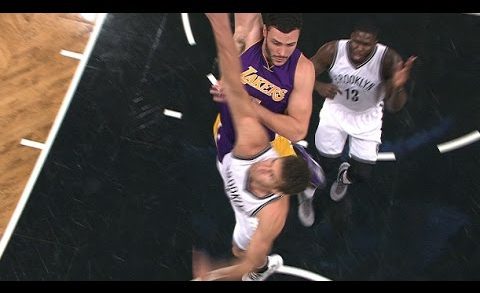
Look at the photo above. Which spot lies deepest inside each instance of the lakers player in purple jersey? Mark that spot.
(280, 80)
(257, 181)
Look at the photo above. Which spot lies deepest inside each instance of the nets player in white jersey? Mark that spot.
(365, 77)
(257, 181)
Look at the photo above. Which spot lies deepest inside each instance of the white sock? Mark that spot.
(263, 268)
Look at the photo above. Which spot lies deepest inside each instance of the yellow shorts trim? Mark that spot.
(216, 126)
(283, 146)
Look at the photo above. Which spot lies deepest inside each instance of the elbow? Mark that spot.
(298, 135)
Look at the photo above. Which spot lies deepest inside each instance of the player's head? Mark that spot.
(287, 175)
(281, 32)
(363, 40)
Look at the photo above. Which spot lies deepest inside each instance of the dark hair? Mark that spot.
(366, 25)
(295, 174)
(284, 22)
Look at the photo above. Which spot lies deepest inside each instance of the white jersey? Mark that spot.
(362, 86)
(235, 179)
(246, 205)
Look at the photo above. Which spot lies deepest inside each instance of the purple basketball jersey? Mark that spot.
(272, 87)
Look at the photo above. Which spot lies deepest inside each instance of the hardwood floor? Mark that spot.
(34, 80)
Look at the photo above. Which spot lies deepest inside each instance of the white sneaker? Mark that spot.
(274, 262)
(339, 188)
(306, 214)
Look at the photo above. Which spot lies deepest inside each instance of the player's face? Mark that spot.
(279, 46)
(361, 45)
(267, 173)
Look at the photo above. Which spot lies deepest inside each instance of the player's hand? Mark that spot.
(328, 90)
(402, 72)
(217, 93)
(201, 265)
(206, 269)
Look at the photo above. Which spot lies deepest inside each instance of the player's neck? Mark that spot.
(269, 66)
(257, 189)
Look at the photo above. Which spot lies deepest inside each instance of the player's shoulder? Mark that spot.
(331, 45)
(329, 49)
(391, 55)
(305, 65)
(277, 207)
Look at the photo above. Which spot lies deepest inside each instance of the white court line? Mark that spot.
(51, 135)
(212, 79)
(187, 29)
(32, 144)
(386, 156)
(459, 142)
(172, 113)
(288, 270)
(71, 54)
